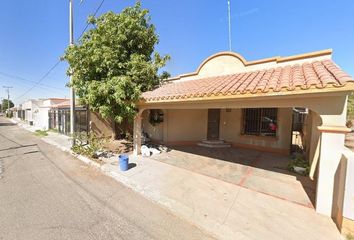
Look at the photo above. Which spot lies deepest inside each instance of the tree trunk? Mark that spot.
(114, 130)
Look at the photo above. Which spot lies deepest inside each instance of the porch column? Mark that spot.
(165, 126)
(331, 150)
(137, 134)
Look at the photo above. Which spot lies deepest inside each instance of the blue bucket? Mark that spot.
(123, 162)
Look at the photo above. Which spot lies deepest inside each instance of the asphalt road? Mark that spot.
(47, 194)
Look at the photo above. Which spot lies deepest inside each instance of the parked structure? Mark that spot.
(230, 101)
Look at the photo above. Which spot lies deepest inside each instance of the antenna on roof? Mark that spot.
(229, 13)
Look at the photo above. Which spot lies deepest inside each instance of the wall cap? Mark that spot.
(334, 129)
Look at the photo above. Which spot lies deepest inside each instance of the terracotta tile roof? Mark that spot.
(317, 74)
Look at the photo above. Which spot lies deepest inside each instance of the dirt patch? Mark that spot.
(119, 146)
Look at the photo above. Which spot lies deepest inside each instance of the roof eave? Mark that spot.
(349, 87)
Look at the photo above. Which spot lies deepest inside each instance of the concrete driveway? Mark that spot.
(228, 210)
(255, 170)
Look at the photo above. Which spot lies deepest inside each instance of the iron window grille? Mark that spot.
(260, 121)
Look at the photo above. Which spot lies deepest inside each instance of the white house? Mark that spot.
(36, 112)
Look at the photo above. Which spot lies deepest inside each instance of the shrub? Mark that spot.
(87, 144)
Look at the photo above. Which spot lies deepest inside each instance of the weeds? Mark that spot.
(41, 133)
(88, 144)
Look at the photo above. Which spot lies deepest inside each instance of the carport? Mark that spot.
(259, 171)
(179, 114)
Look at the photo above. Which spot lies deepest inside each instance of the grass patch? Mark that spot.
(350, 237)
(41, 133)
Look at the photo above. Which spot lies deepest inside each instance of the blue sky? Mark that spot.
(34, 33)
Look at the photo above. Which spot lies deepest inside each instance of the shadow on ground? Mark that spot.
(5, 124)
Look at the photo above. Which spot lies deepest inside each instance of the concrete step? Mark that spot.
(220, 141)
(214, 144)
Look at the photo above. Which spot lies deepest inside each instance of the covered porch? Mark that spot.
(324, 140)
(250, 105)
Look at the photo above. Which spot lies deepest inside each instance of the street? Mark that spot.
(47, 194)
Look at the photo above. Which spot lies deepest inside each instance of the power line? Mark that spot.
(26, 80)
(40, 80)
(58, 62)
(88, 24)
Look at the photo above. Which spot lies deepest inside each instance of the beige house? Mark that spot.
(232, 101)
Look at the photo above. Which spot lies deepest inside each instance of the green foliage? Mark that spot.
(5, 104)
(350, 109)
(155, 117)
(41, 133)
(9, 114)
(299, 161)
(87, 144)
(115, 61)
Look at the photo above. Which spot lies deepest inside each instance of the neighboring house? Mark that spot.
(42, 114)
(19, 113)
(35, 112)
(59, 117)
(234, 102)
(31, 108)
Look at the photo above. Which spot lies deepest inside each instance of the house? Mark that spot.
(30, 107)
(35, 111)
(19, 113)
(230, 101)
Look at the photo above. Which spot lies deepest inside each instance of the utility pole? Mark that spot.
(8, 96)
(72, 91)
(1, 103)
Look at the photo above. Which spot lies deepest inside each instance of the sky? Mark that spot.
(35, 33)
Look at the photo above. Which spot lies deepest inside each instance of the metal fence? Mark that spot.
(59, 119)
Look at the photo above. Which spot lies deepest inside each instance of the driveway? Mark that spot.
(229, 210)
(255, 170)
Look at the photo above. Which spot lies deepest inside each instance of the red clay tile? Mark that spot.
(299, 76)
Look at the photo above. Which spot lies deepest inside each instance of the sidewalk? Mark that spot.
(225, 210)
(61, 141)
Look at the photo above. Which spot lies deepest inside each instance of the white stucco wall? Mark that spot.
(348, 203)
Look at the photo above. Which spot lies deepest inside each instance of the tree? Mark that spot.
(5, 104)
(115, 61)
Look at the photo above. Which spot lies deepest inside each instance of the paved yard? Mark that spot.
(259, 171)
(227, 210)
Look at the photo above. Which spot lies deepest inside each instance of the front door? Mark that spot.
(213, 124)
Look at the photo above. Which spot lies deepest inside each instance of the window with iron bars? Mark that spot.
(260, 121)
